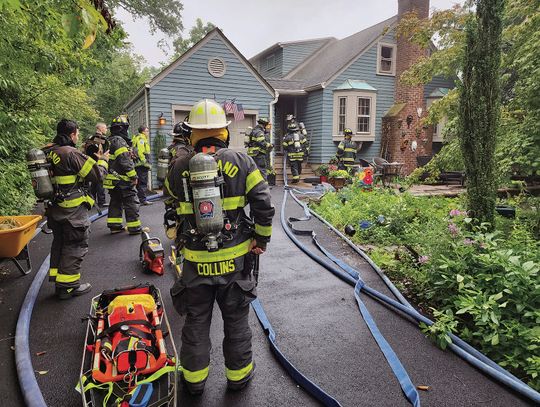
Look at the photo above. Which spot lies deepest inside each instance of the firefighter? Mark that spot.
(141, 151)
(121, 180)
(181, 133)
(225, 273)
(295, 145)
(67, 215)
(346, 151)
(91, 147)
(259, 146)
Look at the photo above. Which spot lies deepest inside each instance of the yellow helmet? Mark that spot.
(207, 114)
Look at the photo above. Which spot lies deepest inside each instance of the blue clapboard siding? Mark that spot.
(365, 69)
(191, 82)
(438, 82)
(137, 113)
(295, 54)
(277, 70)
(312, 114)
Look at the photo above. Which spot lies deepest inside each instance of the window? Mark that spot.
(342, 114)
(354, 109)
(386, 59)
(363, 115)
(270, 62)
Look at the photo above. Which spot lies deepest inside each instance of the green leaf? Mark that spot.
(528, 266)
(459, 278)
(495, 339)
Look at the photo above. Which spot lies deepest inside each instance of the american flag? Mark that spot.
(228, 106)
(238, 111)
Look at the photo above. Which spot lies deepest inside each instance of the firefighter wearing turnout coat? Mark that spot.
(67, 214)
(259, 146)
(346, 151)
(218, 243)
(121, 180)
(295, 146)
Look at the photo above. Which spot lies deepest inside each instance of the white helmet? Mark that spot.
(207, 114)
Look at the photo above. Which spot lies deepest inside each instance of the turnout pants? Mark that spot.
(69, 245)
(260, 160)
(124, 199)
(142, 184)
(197, 303)
(296, 169)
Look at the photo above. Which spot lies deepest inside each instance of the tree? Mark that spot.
(197, 32)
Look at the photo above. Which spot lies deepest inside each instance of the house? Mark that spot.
(332, 84)
(328, 84)
(213, 68)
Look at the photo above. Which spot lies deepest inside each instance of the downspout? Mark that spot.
(273, 128)
(147, 114)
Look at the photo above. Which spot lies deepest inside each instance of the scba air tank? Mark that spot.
(38, 166)
(205, 185)
(162, 164)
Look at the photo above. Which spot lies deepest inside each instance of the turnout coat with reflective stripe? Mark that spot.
(71, 169)
(294, 153)
(244, 185)
(121, 167)
(346, 151)
(258, 141)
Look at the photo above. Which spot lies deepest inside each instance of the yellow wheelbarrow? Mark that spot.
(14, 241)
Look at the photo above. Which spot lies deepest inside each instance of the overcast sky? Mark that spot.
(255, 25)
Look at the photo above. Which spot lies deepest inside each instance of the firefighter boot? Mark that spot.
(67, 293)
(240, 384)
(195, 389)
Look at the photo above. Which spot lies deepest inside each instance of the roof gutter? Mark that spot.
(318, 86)
(273, 128)
(292, 92)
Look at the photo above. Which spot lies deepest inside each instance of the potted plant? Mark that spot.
(322, 171)
(271, 175)
(338, 178)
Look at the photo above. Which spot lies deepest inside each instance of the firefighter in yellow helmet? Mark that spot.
(218, 243)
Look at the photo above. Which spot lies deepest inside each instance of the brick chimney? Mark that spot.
(402, 129)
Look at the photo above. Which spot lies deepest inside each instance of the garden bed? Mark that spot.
(480, 284)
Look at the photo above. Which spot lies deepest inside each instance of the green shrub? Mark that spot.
(483, 285)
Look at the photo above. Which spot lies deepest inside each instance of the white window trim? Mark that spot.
(438, 128)
(351, 114)
(394, 55)
(271, 57)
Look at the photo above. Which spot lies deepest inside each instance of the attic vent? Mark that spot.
(216, 67)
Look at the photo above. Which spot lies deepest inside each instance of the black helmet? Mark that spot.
(263, 120)
(119, 127)
(182, 130)
(347, 133)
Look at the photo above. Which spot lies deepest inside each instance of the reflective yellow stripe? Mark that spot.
(53, 272)
(65, 179)
(263, 230)
(253, 179)
(131, 173)
(118, 152)
(236, 375)
(168, 187)
(353, 150)
(234, 202)
(87, 167)
(72, 203)
(103, 163)
(114, 220)
(133, 224)
(67, 278)
(196, 376)
(108, 183)
(203, 256)
(184, 208)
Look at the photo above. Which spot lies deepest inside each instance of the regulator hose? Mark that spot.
(23, 359)
(458, 346)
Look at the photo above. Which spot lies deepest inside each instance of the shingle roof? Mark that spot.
(283, 44)
(330, 59)
(286, 84)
